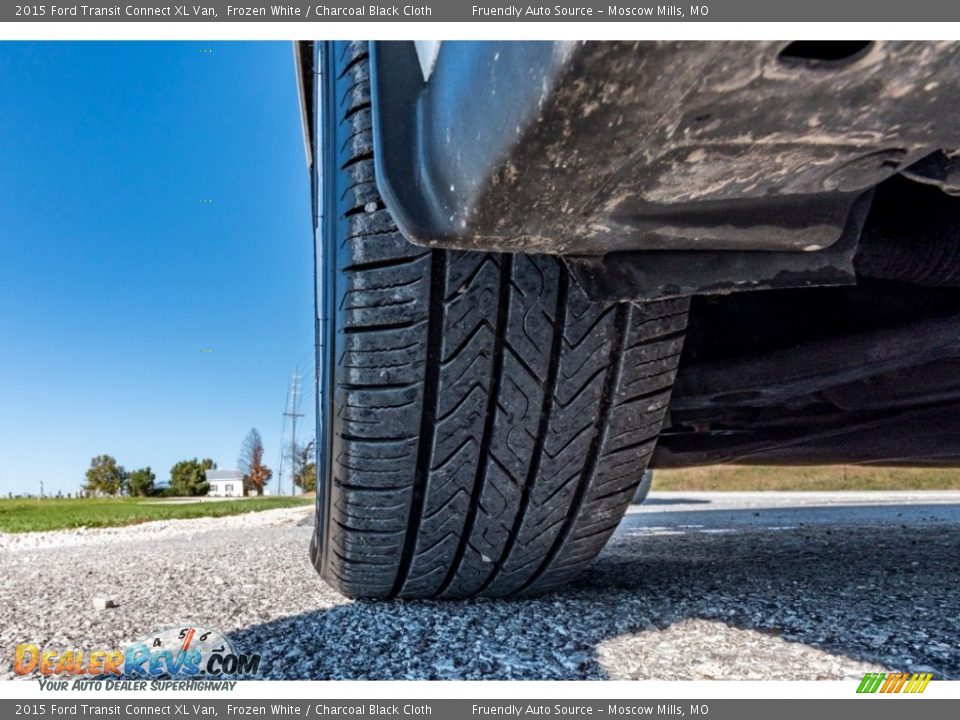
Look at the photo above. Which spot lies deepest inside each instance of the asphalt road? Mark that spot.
(693, 585)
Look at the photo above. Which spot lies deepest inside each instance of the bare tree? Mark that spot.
(256, 475)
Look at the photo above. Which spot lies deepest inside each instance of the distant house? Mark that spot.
(225, 483)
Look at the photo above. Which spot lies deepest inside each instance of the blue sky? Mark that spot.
(156, 282)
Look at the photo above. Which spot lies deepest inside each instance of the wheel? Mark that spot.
(484, 425)
(643, 489)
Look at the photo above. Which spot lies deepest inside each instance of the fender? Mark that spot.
(737, 161)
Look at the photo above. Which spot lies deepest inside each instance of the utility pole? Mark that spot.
(293, 415)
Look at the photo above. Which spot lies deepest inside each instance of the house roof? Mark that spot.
(223, 475)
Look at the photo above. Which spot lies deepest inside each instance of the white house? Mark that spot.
(225, 483)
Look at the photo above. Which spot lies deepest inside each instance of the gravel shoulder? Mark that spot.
(693, 585)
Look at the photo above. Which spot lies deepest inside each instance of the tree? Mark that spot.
(256, 475)
(188, 477)
(305, 467)
(141, 482)
(105, 476)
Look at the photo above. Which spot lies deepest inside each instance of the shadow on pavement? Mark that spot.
(652, 500)
(879, 594)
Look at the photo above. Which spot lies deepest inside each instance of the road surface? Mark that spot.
(692, 586)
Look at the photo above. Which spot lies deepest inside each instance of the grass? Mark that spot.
(30, 515)
(815, 478)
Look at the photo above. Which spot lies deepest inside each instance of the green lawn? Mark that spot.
(823, 477)
(18, 516)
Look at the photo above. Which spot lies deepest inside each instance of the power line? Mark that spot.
(292, 413)
(280, 453)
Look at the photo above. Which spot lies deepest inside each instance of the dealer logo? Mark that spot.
(894, 683)
(190, 652)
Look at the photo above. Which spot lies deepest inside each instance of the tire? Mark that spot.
(484, 425)
(643, 489)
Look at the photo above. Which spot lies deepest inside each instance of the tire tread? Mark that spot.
(492, 422)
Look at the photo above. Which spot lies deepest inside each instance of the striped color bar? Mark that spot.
(894, 682)
(918, 682)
